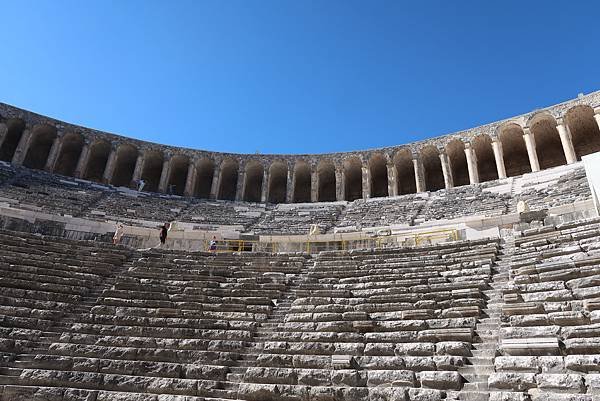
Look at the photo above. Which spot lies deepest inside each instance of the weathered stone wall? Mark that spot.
(544, 138)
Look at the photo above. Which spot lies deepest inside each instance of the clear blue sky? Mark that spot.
(297, 76)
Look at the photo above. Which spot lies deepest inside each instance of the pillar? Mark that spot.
(472, 164)
(241, 183)
(53, 154)
(83, 160)
(314, 186)
(3, 132)
(499, 156)
(289, 190)
(391, 176)
(419, 175)
(567, 141)
(339, 184)
(531, 151)
(110, 166)
(22, 147)
(139, 168)
(264, 193)
(164, 175)
(190, 180)
(214, 187)
(366, 182)
(446, 170)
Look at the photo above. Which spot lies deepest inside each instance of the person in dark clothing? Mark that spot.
(164, 230)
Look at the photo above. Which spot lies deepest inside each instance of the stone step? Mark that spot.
(473, 396)
(477, 369)
(10, 371)
(476, 386)
(474, 377)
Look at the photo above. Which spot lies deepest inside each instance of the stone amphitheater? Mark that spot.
(464, 267)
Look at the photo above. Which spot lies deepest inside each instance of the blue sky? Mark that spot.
(294, 76)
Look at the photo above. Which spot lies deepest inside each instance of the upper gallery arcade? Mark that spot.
(531, 142)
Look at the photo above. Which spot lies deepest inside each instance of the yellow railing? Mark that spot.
(316, 245)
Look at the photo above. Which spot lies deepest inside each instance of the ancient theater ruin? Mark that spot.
(463, 267)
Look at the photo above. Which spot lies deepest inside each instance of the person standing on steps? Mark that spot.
(120, 230)
(164, 230)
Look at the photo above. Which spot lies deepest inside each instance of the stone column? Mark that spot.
(22, 147)
(391, 176)
(446, 170)
(138, 169)
(3, 132)
(366, 182)
(340, 185)
(531, 151)
(190, 180)
(110, 166)
(164, 175)
(499, 156)
(82, 162)
(314, 186)
(264, 193)
(289, 186)
(419, 175)
(472, 164)
(567, 141)
(214, 186)
(241, 184)
(53, 154)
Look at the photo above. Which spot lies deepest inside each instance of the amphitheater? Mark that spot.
(463, 267)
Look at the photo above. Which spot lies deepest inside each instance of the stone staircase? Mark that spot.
(265, 331)
(481, 363)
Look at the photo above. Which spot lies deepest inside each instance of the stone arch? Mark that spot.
(455, 149)
(99, 152)
(405, 172)
(43, 137)
(302, 182)
(352, 179)
(254, 181)
(70, 150)
(229, 179)
(124, 165)
(278, 172)
(516, 159)
(152, 170)
(15, 128)
(205, 169)
(326, 191)
(486, 162)
(379, 177)
(432, 168)
(547, 141)
(584, 130)
(178, 171)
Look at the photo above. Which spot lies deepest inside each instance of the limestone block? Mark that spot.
(582, 345)
(379, 349)
(271, 375)
(506, 396)
(418, 363)
(593, 383)
(19, 393)
(259, 392)
(583, 363)
(81, 395)
(312, 361)
(348, 378)
(445, 362)
(539, 395)
(275, 360)
(387, 394)
(590, 281)
(536, 319)
(555, 382)
(546, 296)
(313, 377)
(381, 362)
(349, 348)
(532, 332)
(414, 349)
(422, 394)
(569, 318)
(533, 364)
(591, 330)
(512, 381)
(456, 348)
(394, 378)
(355, 394)
(440, 380)
(321, 393)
